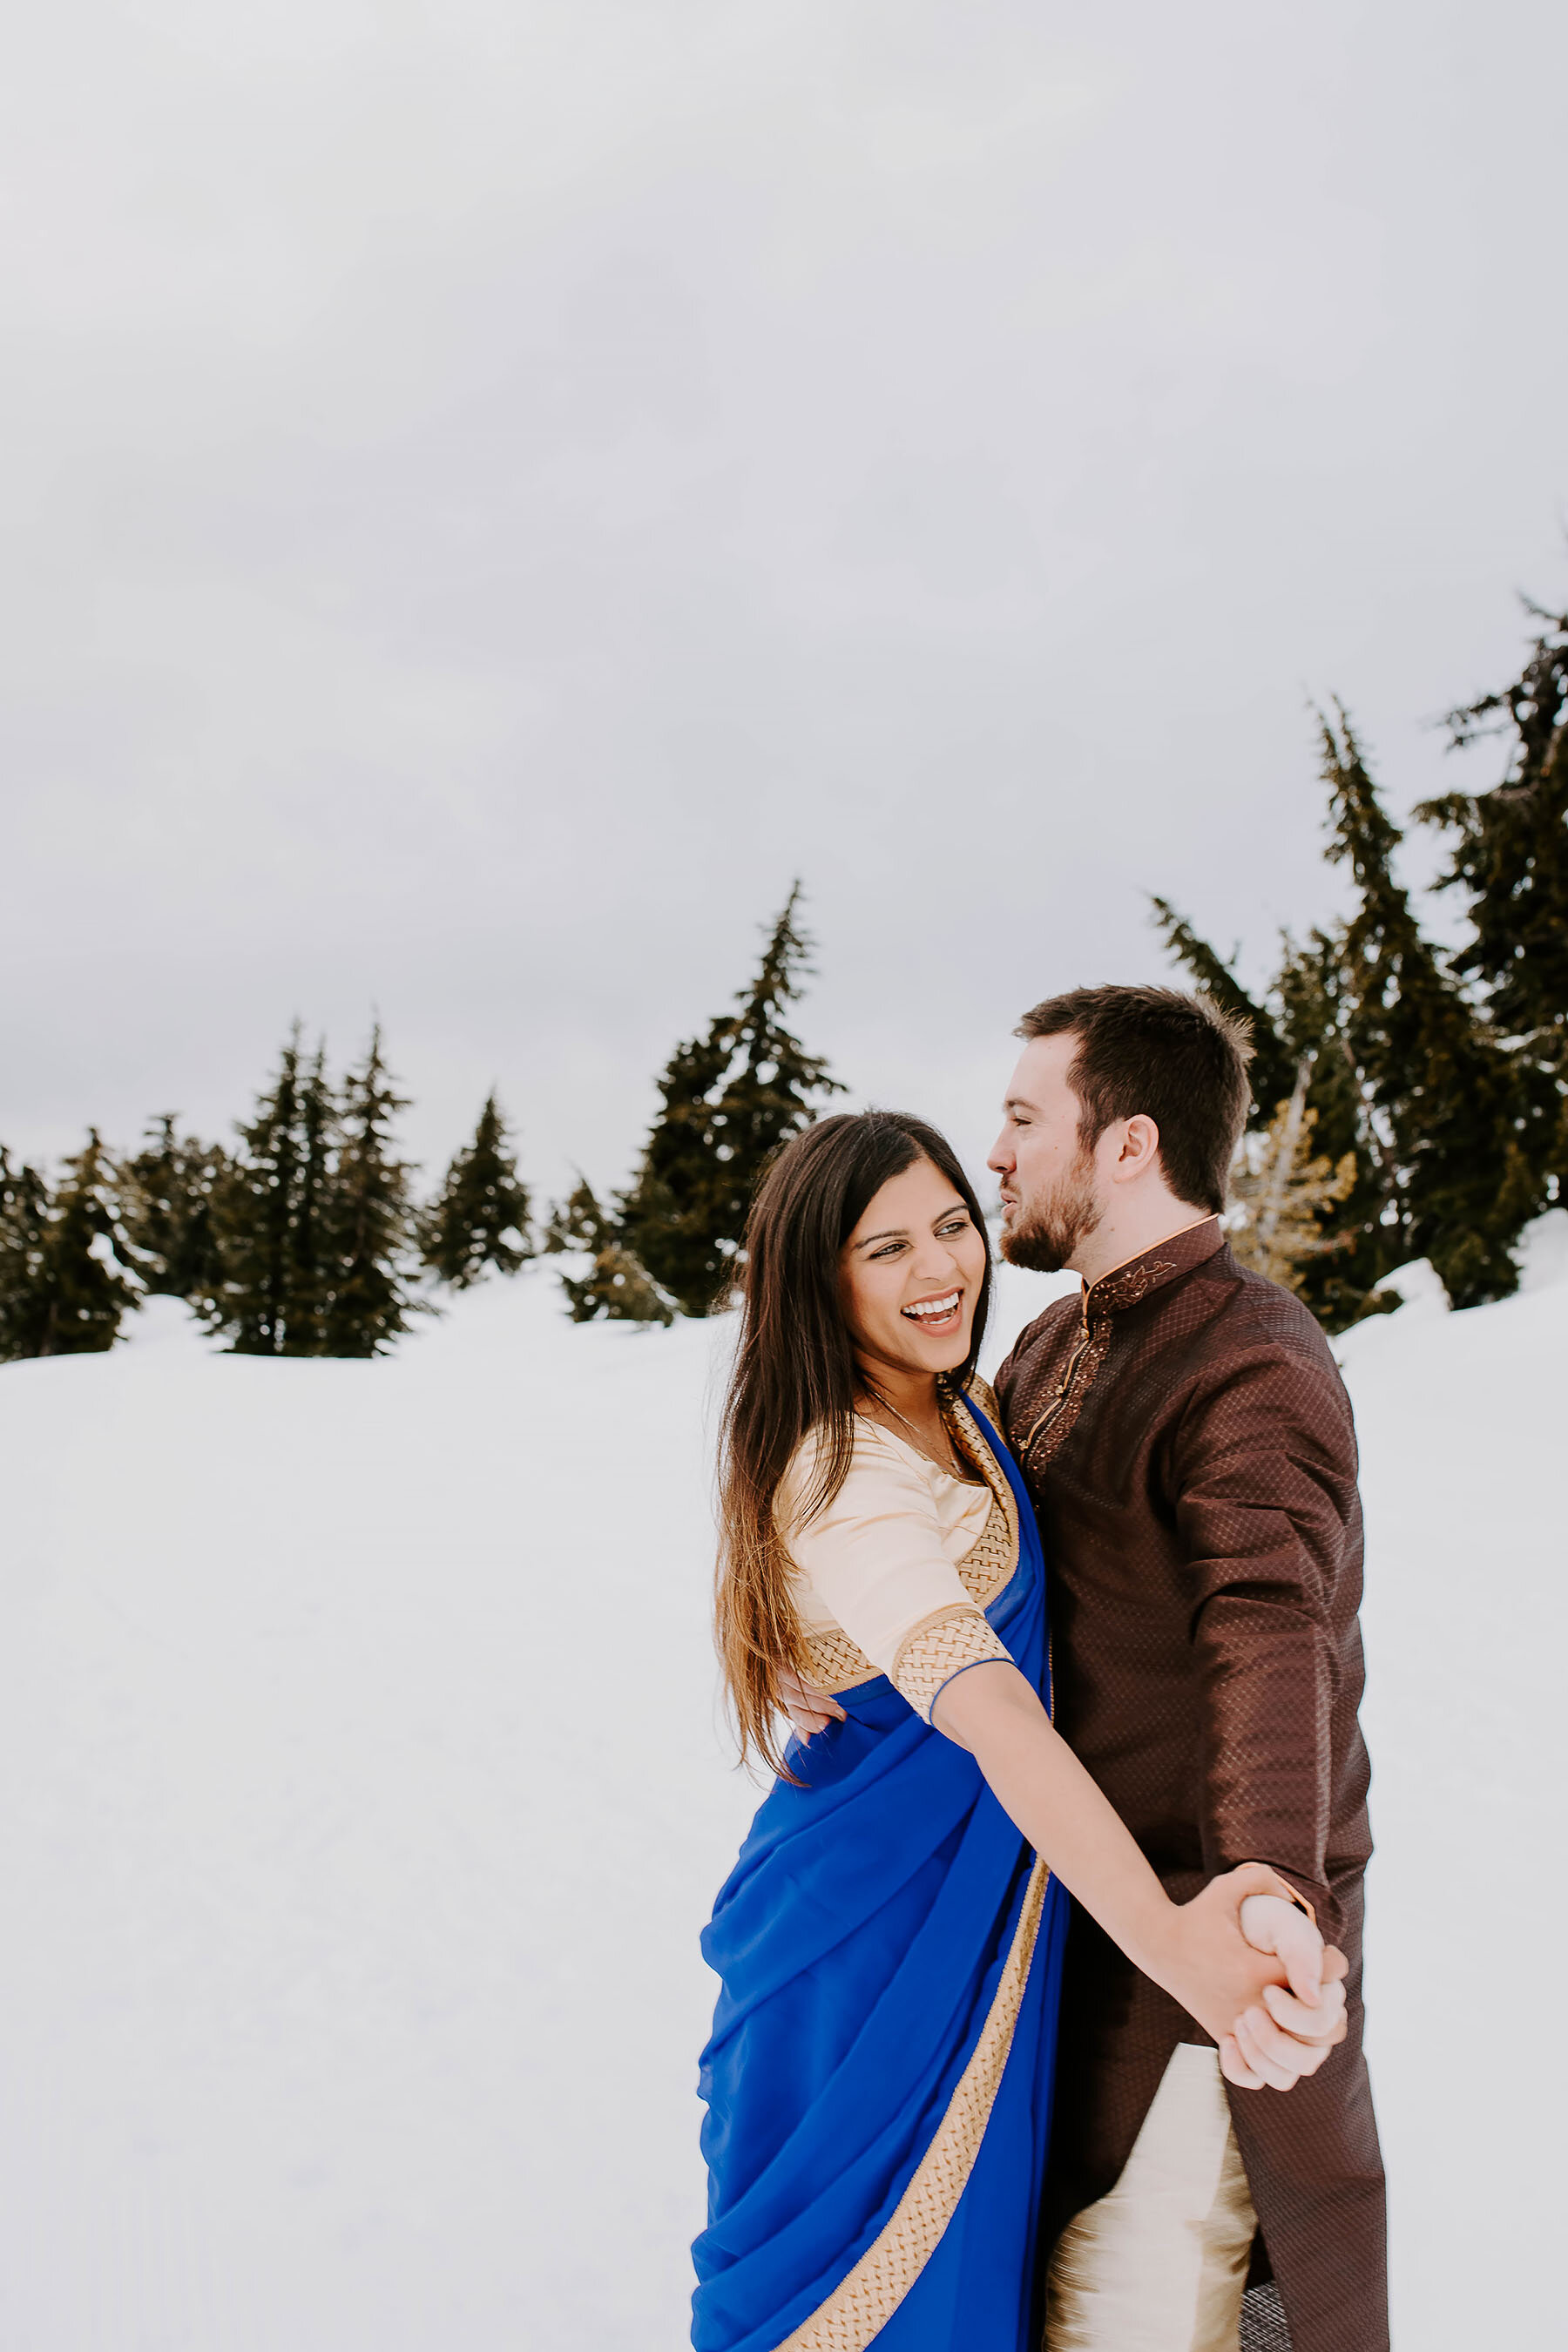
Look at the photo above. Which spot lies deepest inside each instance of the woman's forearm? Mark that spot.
(992, 1711)
(1196, 1950)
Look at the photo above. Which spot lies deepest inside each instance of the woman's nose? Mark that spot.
(935, 1262)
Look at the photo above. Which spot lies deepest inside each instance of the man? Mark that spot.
(1188, 1444)
(1187, 1440)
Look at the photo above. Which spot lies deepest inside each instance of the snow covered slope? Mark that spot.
(364, 1792)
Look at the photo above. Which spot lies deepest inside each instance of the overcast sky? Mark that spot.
(493, 491)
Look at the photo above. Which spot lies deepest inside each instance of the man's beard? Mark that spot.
(1044, 1233)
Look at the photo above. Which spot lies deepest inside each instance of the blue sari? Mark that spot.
(879, 2080)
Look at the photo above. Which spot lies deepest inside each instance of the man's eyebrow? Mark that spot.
(1020, 1102)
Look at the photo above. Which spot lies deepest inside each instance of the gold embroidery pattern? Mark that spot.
(868, 2298)
(832, 1662)
(1054, 1424)
(990, 1561)
(1127, 1289)
(936, 1649)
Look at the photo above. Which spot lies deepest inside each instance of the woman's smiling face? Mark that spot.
(909, 1274)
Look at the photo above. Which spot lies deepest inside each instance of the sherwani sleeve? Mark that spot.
(1263, 1474)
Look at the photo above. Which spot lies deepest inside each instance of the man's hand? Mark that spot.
(1293, 2031)
(809, 1711)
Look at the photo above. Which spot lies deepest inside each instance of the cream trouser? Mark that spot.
(1160, 2264)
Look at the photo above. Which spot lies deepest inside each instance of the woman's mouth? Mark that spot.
(939, 1314)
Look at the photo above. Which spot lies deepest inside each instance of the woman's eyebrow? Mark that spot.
(901, 1233)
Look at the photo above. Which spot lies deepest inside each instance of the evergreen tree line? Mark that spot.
(1411, 1102)
(1408, 1103)
(302, 1239)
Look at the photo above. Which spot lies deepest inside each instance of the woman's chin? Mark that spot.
(940, 1352)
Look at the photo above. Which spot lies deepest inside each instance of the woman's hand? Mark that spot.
(1206, 1962)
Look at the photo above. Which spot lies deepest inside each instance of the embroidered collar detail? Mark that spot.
(1179, 1253)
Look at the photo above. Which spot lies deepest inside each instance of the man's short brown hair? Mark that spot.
(1174, 1058)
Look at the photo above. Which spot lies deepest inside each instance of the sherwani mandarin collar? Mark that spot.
(1136, 1277)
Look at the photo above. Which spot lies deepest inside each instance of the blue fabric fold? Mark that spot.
(858, 1941)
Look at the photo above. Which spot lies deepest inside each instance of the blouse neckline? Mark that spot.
(980, 1484)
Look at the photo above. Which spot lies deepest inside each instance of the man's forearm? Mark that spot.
(1265, 1697)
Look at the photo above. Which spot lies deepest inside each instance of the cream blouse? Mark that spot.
(878, 1587)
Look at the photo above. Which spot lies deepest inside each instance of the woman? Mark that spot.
(889, 1942)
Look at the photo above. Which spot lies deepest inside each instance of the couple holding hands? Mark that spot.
(1044, 1912)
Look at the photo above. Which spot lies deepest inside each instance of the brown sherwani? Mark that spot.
(1188, 1442)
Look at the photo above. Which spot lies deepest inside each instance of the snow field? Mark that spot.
(364, 1791)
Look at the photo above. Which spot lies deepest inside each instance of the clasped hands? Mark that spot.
(1292, 2010)
(1290, 2028)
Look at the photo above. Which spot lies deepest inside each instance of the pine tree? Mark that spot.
(68, 1265)
(169, 1190)
(1272, 1070)
(1413, 1103)
(728, 1099)
(369, 1219)
(1282, 1192)
(481, 1215)
(1511, 862)
(1360, 1241)
(1443, 1099)
(1296, 1027)
(613, 1284)
(314, 1270)
(267, 1213)
(26, 1290)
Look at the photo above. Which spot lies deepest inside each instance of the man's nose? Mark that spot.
(1001, 1161)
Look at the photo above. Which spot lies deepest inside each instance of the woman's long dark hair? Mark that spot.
(795, 1372)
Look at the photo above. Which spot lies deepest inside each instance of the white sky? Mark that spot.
(494, 490)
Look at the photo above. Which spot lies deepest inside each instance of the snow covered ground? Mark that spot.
(362, 1790)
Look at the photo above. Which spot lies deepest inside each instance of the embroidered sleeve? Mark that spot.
(941, 1645)
(874, 1557)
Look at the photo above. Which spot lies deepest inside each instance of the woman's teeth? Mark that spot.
(932, 1310)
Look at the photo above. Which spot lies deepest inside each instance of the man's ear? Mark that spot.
(1139, 1148)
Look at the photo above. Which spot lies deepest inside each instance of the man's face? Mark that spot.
(1051, 1189)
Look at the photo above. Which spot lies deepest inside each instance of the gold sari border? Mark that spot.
(865, 2301)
